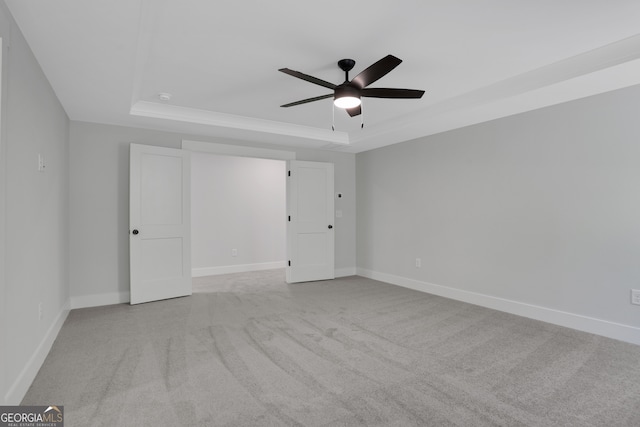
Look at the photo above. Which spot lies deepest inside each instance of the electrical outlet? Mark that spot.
(418, 263)
(40, 311)
(234, 252)
(635, 296)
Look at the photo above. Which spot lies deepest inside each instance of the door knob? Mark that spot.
(135, 231)
(330, 226)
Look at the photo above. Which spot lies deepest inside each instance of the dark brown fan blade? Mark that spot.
(304, 101)
(354, 111)
(376, 71)
(308, 78)
(391, 93)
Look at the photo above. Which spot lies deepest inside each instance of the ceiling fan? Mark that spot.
(347, 95)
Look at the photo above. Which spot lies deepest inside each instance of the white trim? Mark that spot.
(3, 249)
(345, 272)
(592, 325)
(233, 121)
(240, 268)
(98, 300)
(19, 388)
(237, 150)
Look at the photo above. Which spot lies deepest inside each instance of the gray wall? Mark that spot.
(237, 203)
(541, 208)
(34, 214)
(99, 205)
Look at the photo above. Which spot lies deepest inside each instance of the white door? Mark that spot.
(310, 232)
(159, 223)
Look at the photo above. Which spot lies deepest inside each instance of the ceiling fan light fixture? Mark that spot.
(347, 102)
(346, 97)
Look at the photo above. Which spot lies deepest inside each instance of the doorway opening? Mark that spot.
(238, 214)
(233, 253)
(308, 201)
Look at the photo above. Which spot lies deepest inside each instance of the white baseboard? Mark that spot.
(345, 272)
(241, 268)
(592, 325)
(111, 298)
(19, 388)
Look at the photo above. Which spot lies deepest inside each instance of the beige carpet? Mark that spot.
(250, 350)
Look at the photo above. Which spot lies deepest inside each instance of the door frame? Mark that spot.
(237, 150)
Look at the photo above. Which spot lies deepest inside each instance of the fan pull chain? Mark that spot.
(333, 117)
(333, 123)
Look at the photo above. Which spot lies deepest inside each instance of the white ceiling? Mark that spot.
(108, 60)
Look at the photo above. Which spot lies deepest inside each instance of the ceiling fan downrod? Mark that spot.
(346, 65)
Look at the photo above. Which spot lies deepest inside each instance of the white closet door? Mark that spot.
(310, 232)
(160, 223)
